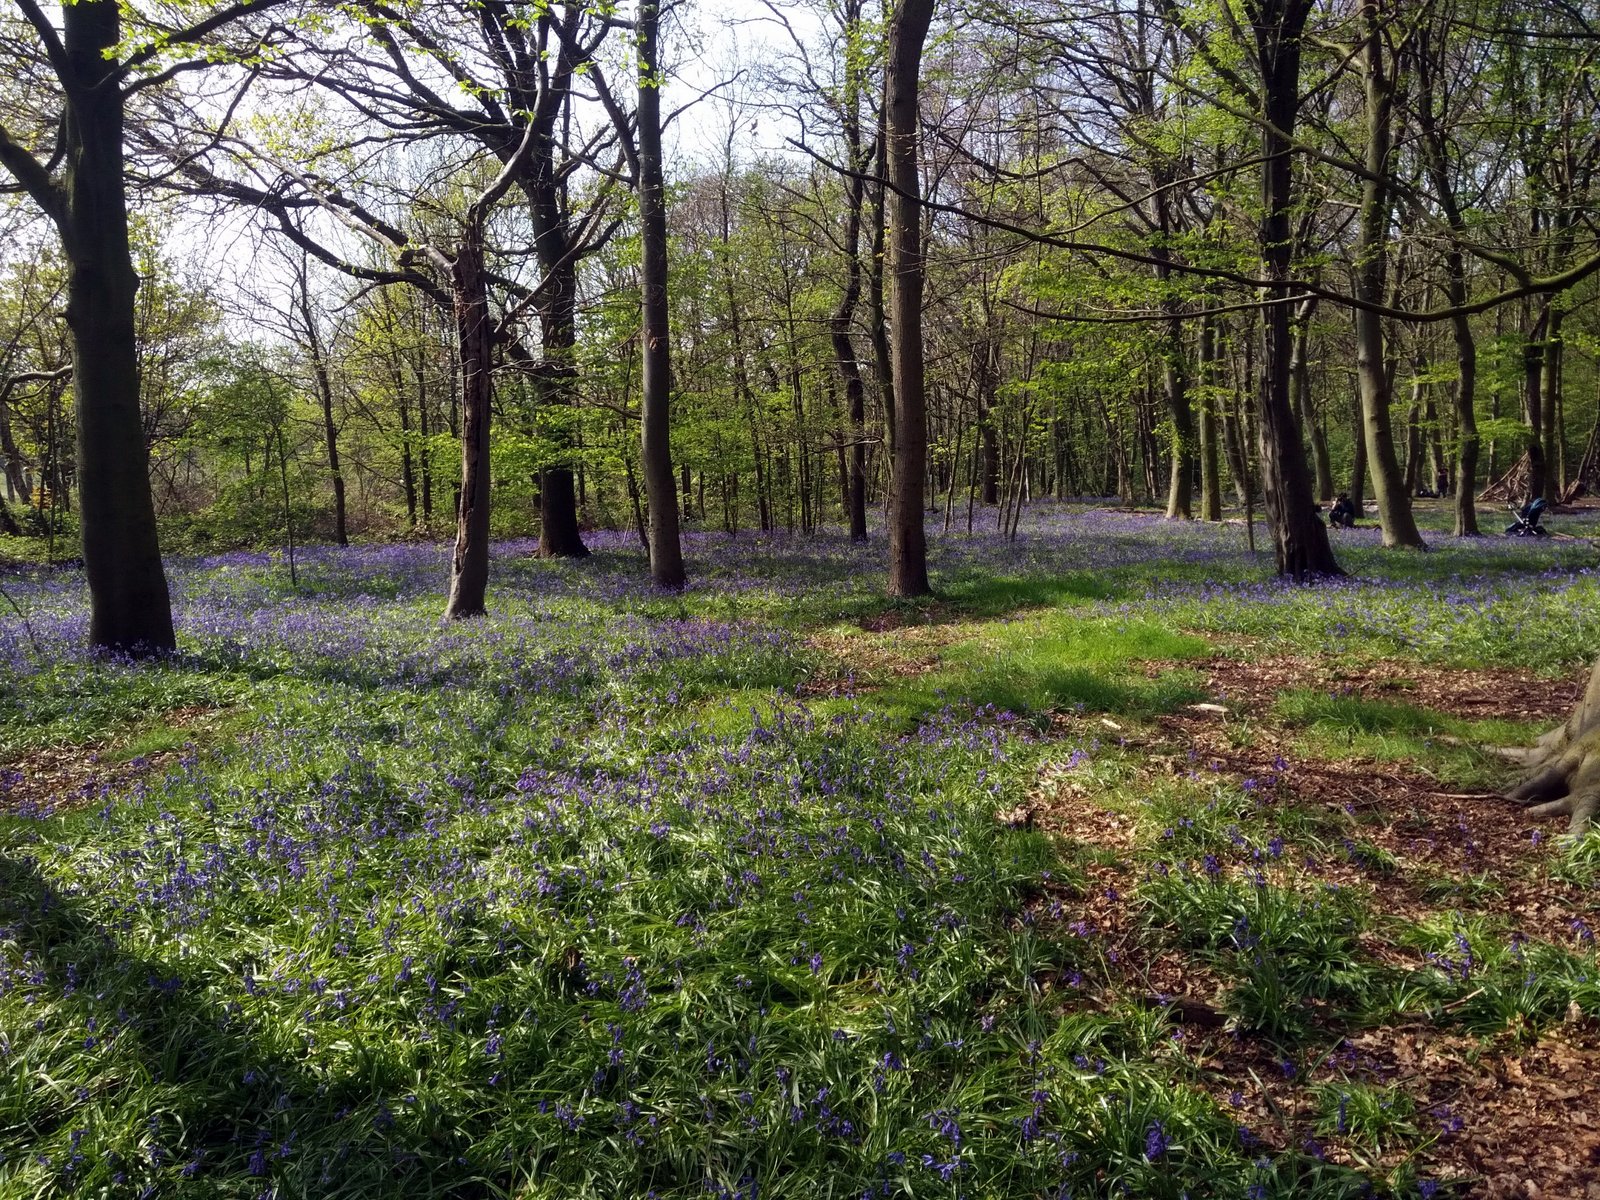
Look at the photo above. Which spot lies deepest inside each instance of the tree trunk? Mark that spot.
(1300, 539)
(469, 566)
(1234, 447)
(1210, 466)
(985, 375)
(908, 560)
(1564, 765)
(666, 550)
(1358, 465)
(424, 450)
(1415, 450)
(559, 532)
(1466, 395)
(11, 464)
(1175, 384)
(559, 535)
(1550, 381)
(1434, 155)
(324, 385)
(408, 477)
(130, 607)
(1174, 369)
(1300, 381)
(1388, 487)
(1533, 403)
(882, 358)
(844, 351)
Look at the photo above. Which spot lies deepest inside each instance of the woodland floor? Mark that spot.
(1213, 870)
(1517, 1111)
(1527, 1102)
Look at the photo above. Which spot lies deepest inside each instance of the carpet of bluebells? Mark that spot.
(594, 897)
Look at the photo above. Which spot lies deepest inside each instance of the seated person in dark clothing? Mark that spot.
(1343, 513)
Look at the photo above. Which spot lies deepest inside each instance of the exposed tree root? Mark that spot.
(1563, 777)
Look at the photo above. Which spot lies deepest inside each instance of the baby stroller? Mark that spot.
(1527, 520)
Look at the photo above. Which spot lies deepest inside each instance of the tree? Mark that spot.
(1300, 539)
(655, 327)
(81, 186)
(1388, 486)
(908, 552)
(1564, 764)
(1432, 104)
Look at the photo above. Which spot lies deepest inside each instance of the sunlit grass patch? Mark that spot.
(1059, 663)
(1579, 860)
(1370, 1117)
(1464, 890)
(1350, 726)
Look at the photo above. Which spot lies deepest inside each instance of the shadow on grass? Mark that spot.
(1038, 694)
(233, 1108)
(986, 595)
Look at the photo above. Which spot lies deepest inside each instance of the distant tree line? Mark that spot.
(1250, 254)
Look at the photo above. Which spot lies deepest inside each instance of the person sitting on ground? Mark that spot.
(1343, 513)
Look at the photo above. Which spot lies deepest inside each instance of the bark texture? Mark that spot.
(130, 608)
(666, 551)
(1389, 488)
(908, 551)
(469, 565)
(1563, 777)
(1300, 539)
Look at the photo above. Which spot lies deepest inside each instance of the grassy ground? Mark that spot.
(1114, 870)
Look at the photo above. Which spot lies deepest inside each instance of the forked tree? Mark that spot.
(1300, 539)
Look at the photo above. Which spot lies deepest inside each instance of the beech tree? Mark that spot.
(655, 329)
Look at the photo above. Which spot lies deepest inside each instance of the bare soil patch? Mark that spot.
(51, 778)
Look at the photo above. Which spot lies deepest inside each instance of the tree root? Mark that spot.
(1563, 777)
(1579, 809)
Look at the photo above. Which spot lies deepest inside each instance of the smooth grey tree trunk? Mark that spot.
(1300, 381)
(1388, 486)
(666, 550)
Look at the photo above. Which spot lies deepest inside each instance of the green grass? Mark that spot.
(550, 905)
(1369, 1116)
(1284, 947)
(1347, 726)
(1060, 662)
(1489, 980)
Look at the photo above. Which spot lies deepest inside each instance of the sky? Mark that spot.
(726, 51)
